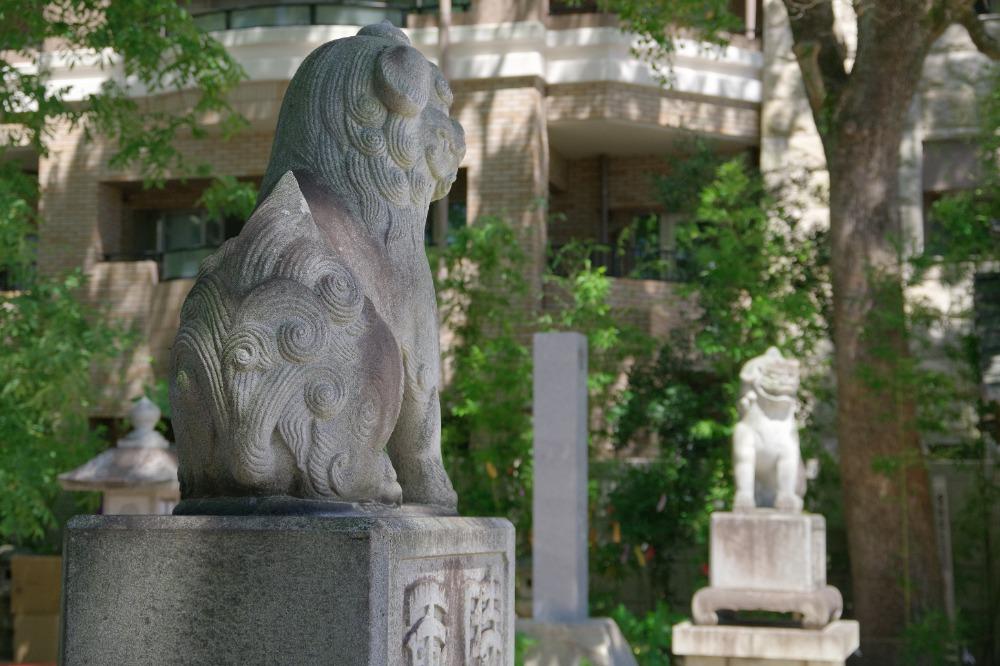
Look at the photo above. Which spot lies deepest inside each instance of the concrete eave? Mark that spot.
(484, 51)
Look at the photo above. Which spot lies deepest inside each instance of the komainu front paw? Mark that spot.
(743, 502)
(788, 502)
(429, 484)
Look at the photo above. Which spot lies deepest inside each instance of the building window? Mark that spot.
(935, 237)
(16, 279)
(433, 6)
(221, 15)
(948, 167)
(986, 306)
(274, 16)
(180, 239)
(557, 7)
(457, 211)
(351, 15)
(645, 247)
(211, 22)
(642, 246)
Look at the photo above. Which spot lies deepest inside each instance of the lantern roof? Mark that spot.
(142, 459)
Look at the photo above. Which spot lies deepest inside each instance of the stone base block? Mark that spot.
(288, 590)
(596, 641)
(766, 549)
(817, 607)
(765, 646)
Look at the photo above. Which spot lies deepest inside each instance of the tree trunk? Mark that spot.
(891, 539)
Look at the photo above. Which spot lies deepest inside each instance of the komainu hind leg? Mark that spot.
(744, 466)
(415, 444)
(788, 472)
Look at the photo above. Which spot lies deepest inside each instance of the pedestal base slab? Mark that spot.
(765, 646)
(598, 640)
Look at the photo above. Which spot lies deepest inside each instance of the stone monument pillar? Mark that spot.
(563, 632)
(767, 555)
(559, 503)
(317, 524)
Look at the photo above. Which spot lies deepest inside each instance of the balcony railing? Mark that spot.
(557, 7)
(170, 265)
(212, 16)
(636, 262)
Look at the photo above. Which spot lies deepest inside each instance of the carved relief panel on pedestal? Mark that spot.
(426, 639)
(453, 612)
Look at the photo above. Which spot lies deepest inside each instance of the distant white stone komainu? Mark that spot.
(307, 362)
(767, 555)
(767, 463)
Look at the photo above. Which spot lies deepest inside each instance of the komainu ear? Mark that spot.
(385, 30)
(403, 78)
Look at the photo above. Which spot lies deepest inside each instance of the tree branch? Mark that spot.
(987, 44)
(819, 51)
(808, 56)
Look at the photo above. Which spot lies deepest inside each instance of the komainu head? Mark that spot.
(368, 117)
(771, 375)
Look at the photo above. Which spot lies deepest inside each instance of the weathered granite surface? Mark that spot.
(287, 590)
(767, 463)
(307, 361)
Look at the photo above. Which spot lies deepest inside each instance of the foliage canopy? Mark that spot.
(52, 338)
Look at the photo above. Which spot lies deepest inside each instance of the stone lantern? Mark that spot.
(139, 475)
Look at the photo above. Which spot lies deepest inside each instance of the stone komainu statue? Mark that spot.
(767, 463)
(307, 361)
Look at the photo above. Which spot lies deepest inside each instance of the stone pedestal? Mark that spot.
(768, 560)
(597, 641)
(768, 550)
(755, 646)
(285, 589)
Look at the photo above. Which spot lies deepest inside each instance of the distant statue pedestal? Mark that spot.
(767, 601)
(288, 590)
(766, 560)
(316, 522)
(772, 561)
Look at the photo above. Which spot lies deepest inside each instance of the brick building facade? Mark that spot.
(565, 130)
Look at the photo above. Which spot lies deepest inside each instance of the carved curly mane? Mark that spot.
(355, 115)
